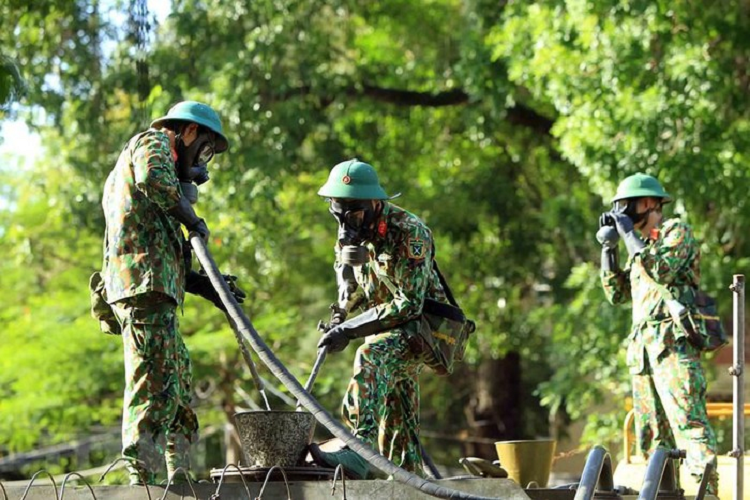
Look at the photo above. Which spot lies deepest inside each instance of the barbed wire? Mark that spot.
(65, 480)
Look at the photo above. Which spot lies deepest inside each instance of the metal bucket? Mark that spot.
(271, 438)
(527, 461)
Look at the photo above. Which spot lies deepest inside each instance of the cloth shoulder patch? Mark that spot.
(415, 248)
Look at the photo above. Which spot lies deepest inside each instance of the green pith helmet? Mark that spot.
(640, 186)
(355, 180)
(202, 114)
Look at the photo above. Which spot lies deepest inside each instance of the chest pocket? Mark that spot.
(382, 269)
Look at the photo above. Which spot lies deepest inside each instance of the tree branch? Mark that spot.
(518, 115)
(527, 117)
(411, 98)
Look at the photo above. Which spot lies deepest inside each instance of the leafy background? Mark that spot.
(506, 125)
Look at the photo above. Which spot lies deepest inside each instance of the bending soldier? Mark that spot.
(384, 261)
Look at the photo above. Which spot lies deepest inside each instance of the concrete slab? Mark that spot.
(300, 490)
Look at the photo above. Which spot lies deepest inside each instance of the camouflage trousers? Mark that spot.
(669, 398)
(158, 424)
(382, 402)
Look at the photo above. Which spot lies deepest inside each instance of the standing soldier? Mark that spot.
(146, 273)
(384, 262)
(669, 386)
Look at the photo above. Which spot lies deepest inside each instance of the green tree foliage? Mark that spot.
(11, 83)
(655, 87)
(505, 125)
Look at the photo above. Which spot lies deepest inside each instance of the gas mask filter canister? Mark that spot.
(192, 164)
(355, 218)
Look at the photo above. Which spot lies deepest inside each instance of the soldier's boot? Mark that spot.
(181, 476)
(140, 477)
(354, 465)
(177, 458)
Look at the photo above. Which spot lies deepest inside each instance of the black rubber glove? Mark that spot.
(625, 228)
(338, 337)
(607, 234)
(610, 259)
(338, 316)
(608, 237)
(184, 213)
(198, 283)
(346, 282)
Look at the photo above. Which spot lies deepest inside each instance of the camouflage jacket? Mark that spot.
(143, 244)
(670, 264)
(400, 273)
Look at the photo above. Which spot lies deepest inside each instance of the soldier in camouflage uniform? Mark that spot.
(384, 263)
(669, 386)
(146, 273)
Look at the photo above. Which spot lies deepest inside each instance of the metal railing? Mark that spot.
(738, 383)
(661, 475)
(596, 478)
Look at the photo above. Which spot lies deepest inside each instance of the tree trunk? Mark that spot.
(495, 410)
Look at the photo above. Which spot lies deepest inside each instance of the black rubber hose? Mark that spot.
(248, 332)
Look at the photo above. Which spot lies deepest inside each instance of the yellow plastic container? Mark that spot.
(527, 461)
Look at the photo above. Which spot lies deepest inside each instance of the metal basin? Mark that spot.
(274, 437)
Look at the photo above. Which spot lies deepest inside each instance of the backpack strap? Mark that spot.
(444, 284)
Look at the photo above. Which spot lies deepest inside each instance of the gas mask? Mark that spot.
(629, 206)
(192, 163)
(356, 226)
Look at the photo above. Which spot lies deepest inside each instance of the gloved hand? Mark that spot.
(623, 223)
(607, 235)
(184, 213)
(335, 340)
(198, 283)
(201, 228)
(625, 228)
(338, 316)
(338, 337)
(239, 294)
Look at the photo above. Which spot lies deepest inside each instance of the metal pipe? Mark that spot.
(660, 473)
(597, 474)
(248, 332)
(738, 383)
(626, 444)
(248, 360)
(314, 373)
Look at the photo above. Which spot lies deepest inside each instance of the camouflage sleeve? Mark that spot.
(154, 170)
(616, 286)
(670, 254)
(410, 273)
